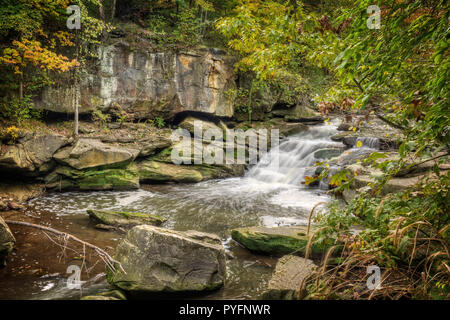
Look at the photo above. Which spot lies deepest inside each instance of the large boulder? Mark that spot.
(289, 129)
(92, 153)
(32, 154)
(67, 178)
(190, 123)
(289, 275)
(18, 191)
(152, 145)
(162, 260)
(278, 240)
(124, 219)
(150, 84)
(154, 171)
(7, 241)
(299, 113)
(394, 184)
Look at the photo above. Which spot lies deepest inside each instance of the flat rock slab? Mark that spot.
(278, 240)
(125, 219)
(161, 260)
(288, 277)
(154, 171)
(91, 153)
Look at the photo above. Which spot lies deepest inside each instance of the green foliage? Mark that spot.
(101, 117)
(17, 110)
(400, 71)
(159, 122)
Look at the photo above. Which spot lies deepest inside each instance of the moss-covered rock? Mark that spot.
(154, 171)
(125, 219)
(107, 295)
(98, 297)
(66, 178)
(161, 260)
(159, 171)
(279, 240)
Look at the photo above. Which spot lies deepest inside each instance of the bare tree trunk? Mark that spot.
(21, 87)
(76, 104)
(204, 23)
(113, 10)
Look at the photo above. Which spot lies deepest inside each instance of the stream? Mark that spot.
(269, 194)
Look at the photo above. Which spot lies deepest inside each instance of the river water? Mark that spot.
(271, 193)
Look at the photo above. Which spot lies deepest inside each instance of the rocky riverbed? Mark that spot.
(244, 216)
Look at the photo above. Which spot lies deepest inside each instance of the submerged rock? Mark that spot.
(162, 260)
(286, 282)
(327, 153)
(124, 219)
(97, 297)
(7, 241)
(278, 240)
(107, 295)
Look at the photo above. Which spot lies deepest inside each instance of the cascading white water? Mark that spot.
(287, 163)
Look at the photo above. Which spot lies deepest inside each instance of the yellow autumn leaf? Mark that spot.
(359, 144)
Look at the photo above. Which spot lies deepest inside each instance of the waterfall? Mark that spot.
(286, 164)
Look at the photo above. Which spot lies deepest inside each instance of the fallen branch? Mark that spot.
(109, 261)
(389, 122)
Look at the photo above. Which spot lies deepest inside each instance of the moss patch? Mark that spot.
(66, 178)
(281, 240)
(127, 219)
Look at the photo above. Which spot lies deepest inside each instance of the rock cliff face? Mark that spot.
(150, 84)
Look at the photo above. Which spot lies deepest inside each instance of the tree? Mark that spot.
(88, 38)
(401, 73)
(32, 45)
